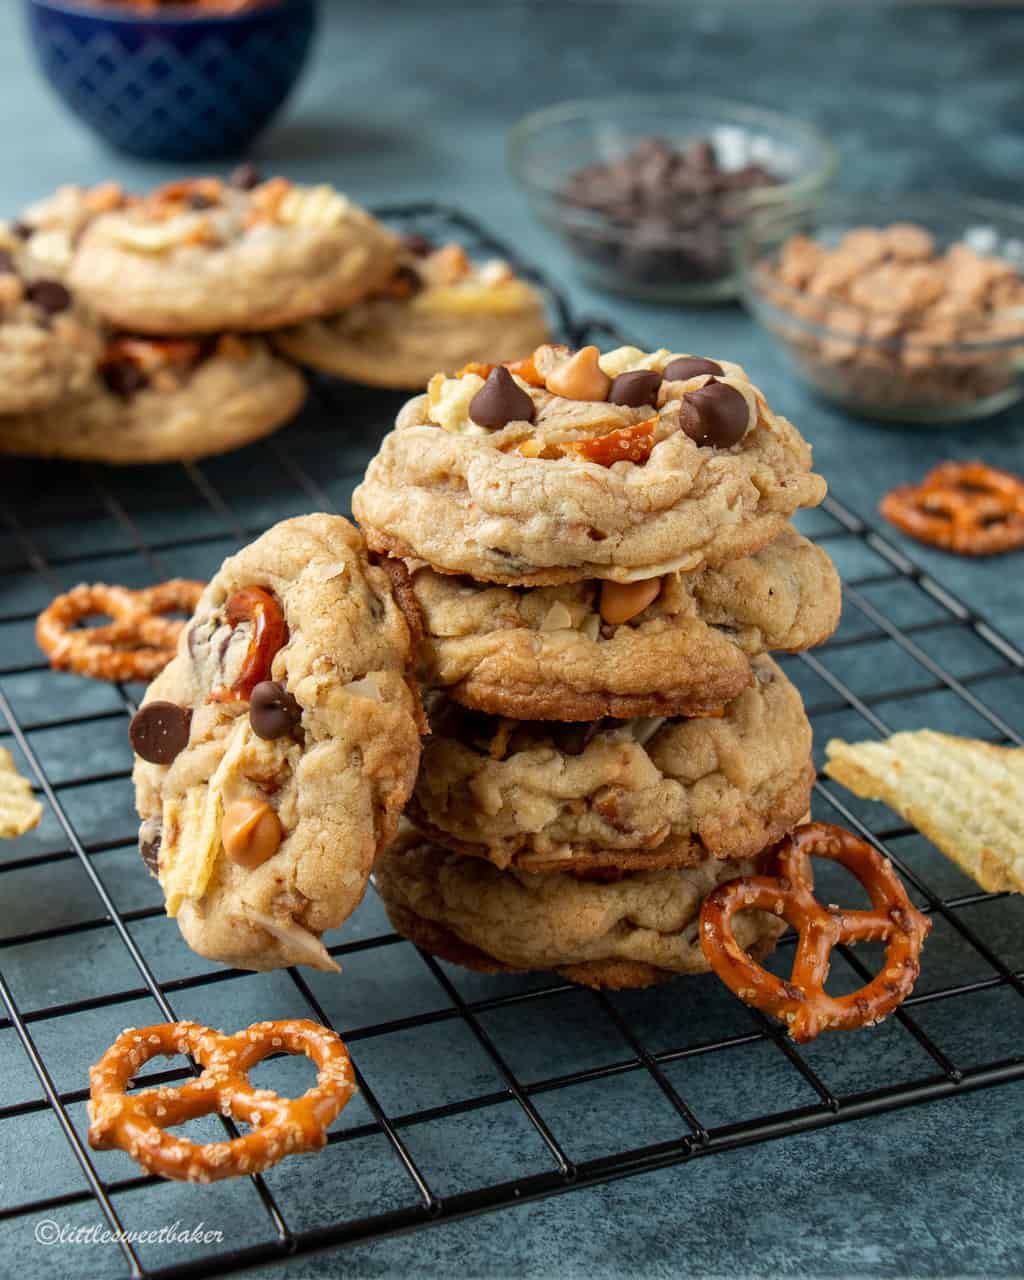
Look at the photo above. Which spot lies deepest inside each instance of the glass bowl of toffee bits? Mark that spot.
(649, 191)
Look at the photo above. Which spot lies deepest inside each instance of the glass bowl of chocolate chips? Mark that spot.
(650, 191)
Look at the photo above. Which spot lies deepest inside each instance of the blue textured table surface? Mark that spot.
(405, 101)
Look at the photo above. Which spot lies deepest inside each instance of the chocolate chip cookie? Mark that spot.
(573, 465)
(201, 256)
(628, 931)
(163, 400)
(673, 646)
(438, 311)
(626, 794)
(275, 752)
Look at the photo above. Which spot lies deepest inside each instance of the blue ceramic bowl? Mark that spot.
(172, 86)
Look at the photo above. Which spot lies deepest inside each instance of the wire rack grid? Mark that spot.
(530, 1062)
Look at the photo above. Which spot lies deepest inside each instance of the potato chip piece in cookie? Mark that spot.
(275, 753)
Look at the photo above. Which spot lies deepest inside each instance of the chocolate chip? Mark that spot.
(123, 378)
(723, 414)
(273, 711)
(7, 266)
(500, 401)
(199, 201)
(636, 388)
(48, 294)
(406, 281)
(150, 839)
(573, 739)
(419, 246)
(685, 367)
(245, 177)
(22, 230)
(159, 731)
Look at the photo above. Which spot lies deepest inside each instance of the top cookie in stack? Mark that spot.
(573, 465)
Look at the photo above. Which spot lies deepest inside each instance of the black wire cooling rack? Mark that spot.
(476, 1092)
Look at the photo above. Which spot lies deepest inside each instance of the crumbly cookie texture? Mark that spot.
(642, 793)
(183, 408)
(201, 256)
(631, 931)
(549, 653)
(584, 488)
(438, 311)
(334, 777)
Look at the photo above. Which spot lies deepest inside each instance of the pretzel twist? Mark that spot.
(137, 1122)
(136, 645)
(967, 507)
(802, 1002)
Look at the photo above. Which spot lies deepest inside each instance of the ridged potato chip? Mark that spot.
(966, 796)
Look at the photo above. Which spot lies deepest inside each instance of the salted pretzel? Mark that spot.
(801, 1001)
(136, 645)
(967, 507)
(137, 1122)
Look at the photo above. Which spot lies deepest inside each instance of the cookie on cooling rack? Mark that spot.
(622, 794)
(438, 311)
(628, 931)
(571, 465)
(673, 646)
(202, 255)
(275, 753)
(164, 400)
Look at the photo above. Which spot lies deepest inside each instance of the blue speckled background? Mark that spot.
(407, 100)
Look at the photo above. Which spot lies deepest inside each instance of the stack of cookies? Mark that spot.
(153, 329)
(599, 549)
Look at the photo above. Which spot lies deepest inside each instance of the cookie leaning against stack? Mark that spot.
(600, 552)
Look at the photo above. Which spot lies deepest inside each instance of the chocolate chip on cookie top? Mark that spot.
(610, 408)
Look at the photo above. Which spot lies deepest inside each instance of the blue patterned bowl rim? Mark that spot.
(177, 14)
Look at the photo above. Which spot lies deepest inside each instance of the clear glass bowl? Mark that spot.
(547, 147)
(902, 377)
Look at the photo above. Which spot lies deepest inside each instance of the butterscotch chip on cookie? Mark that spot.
(438, 311)
(555, 469)
(164, 400)
(626, 794)
(630, 931)
(201, 256)
(276, 751)
(675, 646)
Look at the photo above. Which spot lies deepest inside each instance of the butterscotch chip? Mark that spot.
(966, 796)
(20, 811)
